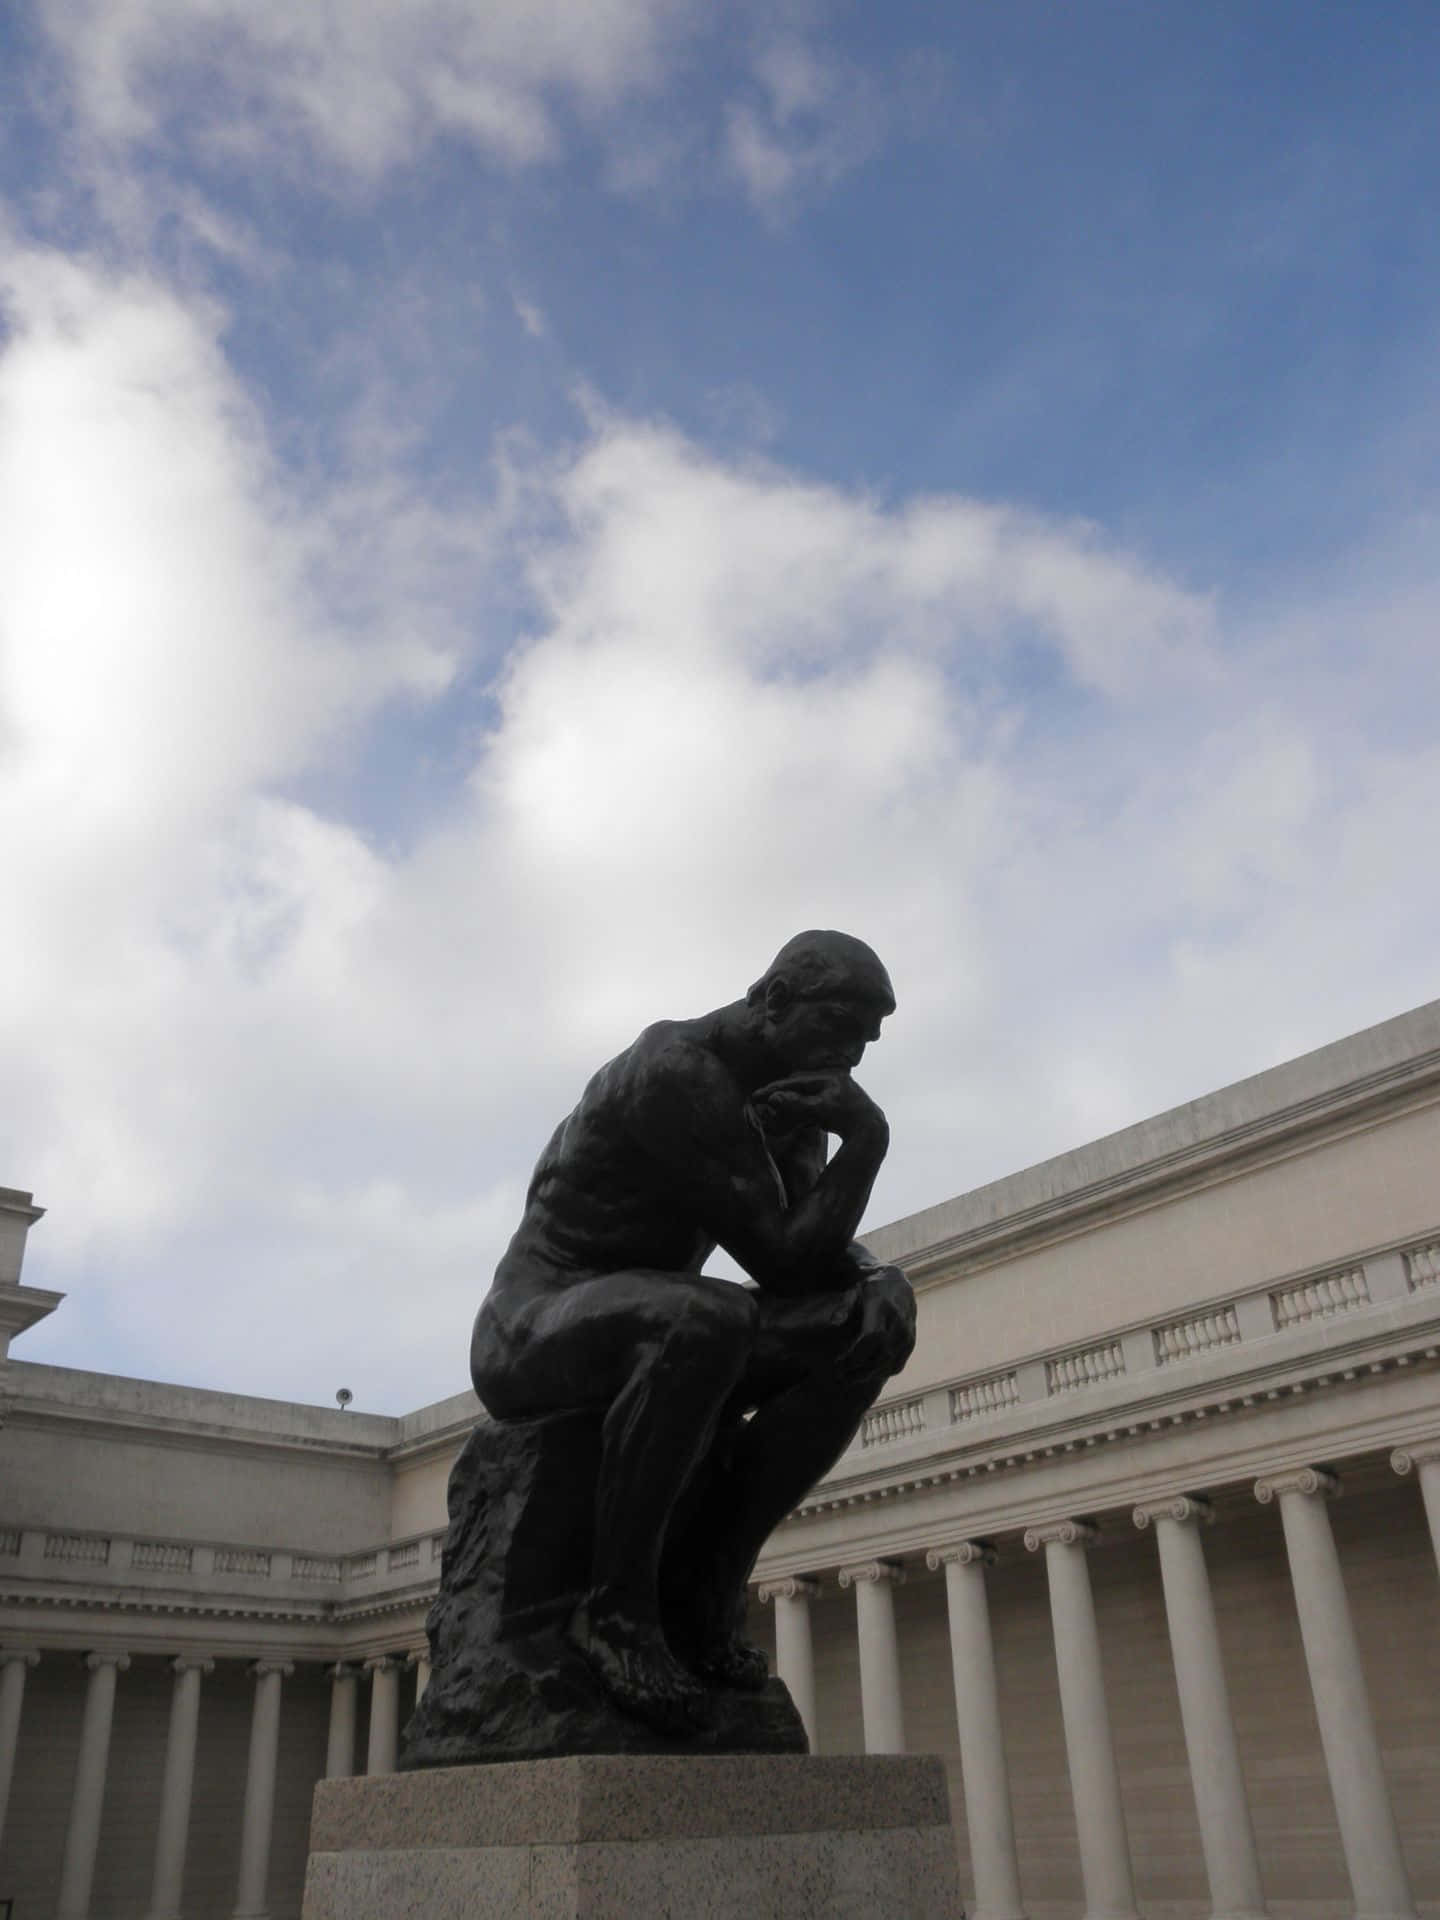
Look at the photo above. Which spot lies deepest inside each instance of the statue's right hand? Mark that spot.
(830, 1100)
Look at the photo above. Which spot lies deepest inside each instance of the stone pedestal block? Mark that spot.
(610, 1837)
(505, 1683)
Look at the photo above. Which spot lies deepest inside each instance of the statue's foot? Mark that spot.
(732, 1662)
(638, 1671)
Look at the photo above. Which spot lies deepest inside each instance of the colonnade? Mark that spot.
(1349, 1742)
(82, 1831)
(1376, 1868)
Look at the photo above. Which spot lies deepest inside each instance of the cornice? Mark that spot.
(166, 1607)
(157, 1430)
(19, 1200)
(326, 1614)
(21, 1307)
(1354, 1107)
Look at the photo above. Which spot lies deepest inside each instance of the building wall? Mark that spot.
(1365, 1190)
(200, 1466)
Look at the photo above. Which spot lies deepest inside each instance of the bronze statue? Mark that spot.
(710, 1408)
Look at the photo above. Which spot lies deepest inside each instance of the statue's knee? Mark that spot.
(718, 1328)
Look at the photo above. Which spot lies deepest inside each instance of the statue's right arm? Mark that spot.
(687, 1114)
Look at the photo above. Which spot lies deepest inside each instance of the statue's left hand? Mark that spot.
(887, 1325)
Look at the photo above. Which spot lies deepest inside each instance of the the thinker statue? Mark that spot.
(685, 1415)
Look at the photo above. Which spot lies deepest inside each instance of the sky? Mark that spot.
(509, 512)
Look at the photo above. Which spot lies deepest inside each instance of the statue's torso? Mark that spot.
(598, 1201)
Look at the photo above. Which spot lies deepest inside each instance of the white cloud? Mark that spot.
(364, 85)
(267, 1074)
(805, 121)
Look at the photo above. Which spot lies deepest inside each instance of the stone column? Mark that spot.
(1378, 1879)
(988, 1816)
(879, 1653)
(340, 1749)
(384, 1744)
(259, 1815)
(1227, 1837)
(176, 1788)
(1089, 1748)
(12, 1697)
(82, 1834)
(1424, 1458)
(420, 1660)
(794, 1648)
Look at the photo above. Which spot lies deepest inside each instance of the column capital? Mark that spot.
(1314, 1482)
(873, 1573)
(960, 1553)
(794, 1586)
(383, 1663)
(1415, 1453)
(192, 1663)
(1065, 1533)
(417, 1654)
(120, 1661)
(1190, 1509)
(343, 1670)
(260, 1668)
(23, 1656)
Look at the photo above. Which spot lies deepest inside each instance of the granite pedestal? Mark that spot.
(614, 1837)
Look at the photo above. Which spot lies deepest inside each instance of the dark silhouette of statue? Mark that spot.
(650, 1424)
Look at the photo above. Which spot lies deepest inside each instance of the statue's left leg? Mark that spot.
(803, 1413)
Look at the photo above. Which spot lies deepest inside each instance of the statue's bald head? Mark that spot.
(825, 965)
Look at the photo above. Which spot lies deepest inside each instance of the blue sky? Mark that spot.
(507, 512)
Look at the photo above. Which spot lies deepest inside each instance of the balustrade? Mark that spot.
(898, 1421)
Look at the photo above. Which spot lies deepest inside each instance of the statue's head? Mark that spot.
(823, 997)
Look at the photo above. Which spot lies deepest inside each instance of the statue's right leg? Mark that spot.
(662, 1353)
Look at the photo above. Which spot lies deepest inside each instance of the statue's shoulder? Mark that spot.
(670, 1060)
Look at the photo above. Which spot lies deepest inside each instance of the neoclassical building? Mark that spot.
(1144, 1542)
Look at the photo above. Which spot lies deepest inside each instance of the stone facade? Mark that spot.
(1157, 1504)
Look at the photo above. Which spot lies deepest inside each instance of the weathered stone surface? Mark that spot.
(645, 1797)
(505, 1684)
(608, 1837)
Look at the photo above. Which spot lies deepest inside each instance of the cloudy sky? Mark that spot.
(508, 511)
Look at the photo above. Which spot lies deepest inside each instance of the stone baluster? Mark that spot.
(176, 1788)
(1423, 1458)
(988, 1816)
(1378, 1879)
(1085, 1715)
(1227, 1838)
(420, 1661)
(794, 1646)
(383, 1749)
(340, 1746)
(258, 1819)
(880, 1704)
(13, 1667)
(82, 1832)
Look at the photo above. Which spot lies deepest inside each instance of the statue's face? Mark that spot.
(821, 1035)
